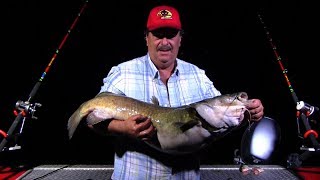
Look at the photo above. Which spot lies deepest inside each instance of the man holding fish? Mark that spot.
(160, 77)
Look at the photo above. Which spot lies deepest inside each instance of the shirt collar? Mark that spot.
(154, 71)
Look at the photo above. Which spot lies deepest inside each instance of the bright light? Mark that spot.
(263, 140)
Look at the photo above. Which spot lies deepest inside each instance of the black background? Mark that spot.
(227, 39)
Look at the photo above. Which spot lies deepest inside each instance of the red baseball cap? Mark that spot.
(162, 17)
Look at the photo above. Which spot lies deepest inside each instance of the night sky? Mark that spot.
(226, 39)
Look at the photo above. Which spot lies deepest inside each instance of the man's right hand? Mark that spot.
(138, 126)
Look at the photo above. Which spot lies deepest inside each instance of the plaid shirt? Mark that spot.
(140, 79)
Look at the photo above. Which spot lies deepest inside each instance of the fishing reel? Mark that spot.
(23, 109)
(308, 132)
(27, 108)
(306, 108)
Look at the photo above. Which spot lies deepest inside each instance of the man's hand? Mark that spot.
(138, 126)
(255, 108)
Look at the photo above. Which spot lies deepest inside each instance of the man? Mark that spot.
(174, 83)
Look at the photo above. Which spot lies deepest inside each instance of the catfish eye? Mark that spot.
(242, 96)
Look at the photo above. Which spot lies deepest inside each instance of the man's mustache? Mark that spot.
(165, 48)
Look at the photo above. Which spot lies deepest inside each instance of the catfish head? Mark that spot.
(224, 111)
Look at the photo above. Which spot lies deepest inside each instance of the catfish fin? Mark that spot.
(185, 126)
(155, 100)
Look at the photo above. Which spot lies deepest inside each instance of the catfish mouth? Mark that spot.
(238, 121)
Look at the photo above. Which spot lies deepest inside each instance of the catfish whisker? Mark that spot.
(249, 119)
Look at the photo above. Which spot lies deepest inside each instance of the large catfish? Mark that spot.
(180, 130)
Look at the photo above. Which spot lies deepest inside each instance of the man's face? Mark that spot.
(163, 46)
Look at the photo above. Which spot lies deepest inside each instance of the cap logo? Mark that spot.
(165, 14)
(163, 17)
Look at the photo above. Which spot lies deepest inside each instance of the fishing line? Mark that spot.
(25, 108)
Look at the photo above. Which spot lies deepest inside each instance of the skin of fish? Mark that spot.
(180, 130)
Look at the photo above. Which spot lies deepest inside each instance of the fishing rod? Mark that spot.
(24, 109)
(304, 111)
